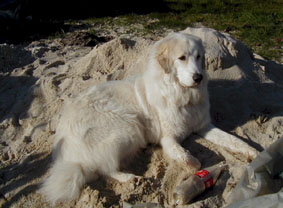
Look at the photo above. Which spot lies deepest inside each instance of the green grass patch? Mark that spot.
(258, 23)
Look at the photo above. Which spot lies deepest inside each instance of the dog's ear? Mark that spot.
(162, 56)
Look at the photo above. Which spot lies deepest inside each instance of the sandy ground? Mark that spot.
(246, 95)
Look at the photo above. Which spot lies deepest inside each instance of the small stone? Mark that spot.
(86, 77)
(27, 139)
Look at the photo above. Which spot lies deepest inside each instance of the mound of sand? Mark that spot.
(246, 100)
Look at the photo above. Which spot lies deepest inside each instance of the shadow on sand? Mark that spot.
(21, 176)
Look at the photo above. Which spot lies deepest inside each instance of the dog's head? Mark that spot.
(182, 56)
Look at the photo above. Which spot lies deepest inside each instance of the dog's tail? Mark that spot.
(65, 181)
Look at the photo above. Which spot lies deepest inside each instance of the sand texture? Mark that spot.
(246, 95)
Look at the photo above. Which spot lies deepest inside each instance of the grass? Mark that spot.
(258, 23)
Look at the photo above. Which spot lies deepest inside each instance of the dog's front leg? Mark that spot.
(219, 137)
(176, 152)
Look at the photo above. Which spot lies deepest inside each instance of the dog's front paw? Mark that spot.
(193, 162)
(189, 160)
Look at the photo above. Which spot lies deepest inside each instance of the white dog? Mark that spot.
(111, 121)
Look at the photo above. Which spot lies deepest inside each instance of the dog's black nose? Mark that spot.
(197, 77)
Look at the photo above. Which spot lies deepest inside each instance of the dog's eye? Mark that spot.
(198, 57)
(182, 58)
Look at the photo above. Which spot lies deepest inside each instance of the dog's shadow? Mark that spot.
(137, 165)
(206, 156)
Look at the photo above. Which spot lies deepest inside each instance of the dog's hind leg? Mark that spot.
(122, 177)
(221, 138)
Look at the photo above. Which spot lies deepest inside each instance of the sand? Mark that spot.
(246, 95)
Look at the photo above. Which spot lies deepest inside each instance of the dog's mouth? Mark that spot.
(193, 86)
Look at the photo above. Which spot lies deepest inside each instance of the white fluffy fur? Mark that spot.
(110, 122)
